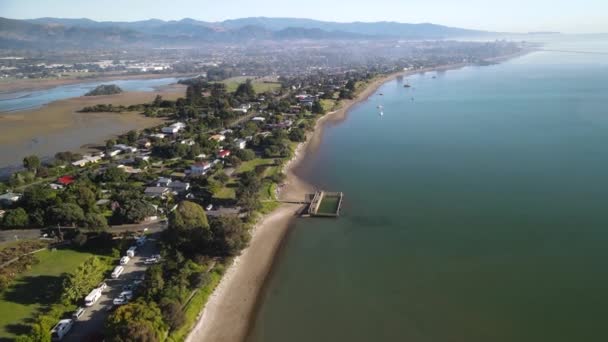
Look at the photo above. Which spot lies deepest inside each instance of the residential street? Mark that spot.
(90, 324)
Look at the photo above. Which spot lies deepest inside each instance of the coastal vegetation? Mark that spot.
(104, 89)
(225, 148)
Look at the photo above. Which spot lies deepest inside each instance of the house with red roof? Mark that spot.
(66, 180)
(223, 153)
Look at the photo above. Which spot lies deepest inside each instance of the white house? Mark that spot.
(158, 135)
(114, 153)
(188, 142)
(174, 128)
(86, 160)
(126, 148)
(170, 130)
(9, 198)
(240, 143)
(200, 169)
(217, 137)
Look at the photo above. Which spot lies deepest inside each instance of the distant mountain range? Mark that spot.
(86, 33)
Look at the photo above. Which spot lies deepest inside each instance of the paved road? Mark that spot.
(29, 234)
(91, 323)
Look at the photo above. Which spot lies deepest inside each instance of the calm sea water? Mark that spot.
(476, 212)
(32, 99)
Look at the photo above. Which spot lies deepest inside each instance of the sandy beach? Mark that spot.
(228, 314)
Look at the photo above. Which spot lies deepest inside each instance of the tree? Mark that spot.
(87, 275)
(153, 282)
(245, 90)
(32, 163)
(16, 218)
(157, 101)
(134, 211)
(230, 235)
(38, 197)
(136, 321)
(95, 222)
(114, 175)
(110, 143)
(317, 108)
(248, 190)
(85, 197)
(245, 154)
(132, 136)
(222, 177)
(66, 214)
(188, 228)
(172, 313)
(188, 215)
(297, 135)
(350, 85)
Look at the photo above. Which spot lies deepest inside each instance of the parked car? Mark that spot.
(124, 260)
(128, 295)
(79, 312)
(119, 301)
(150, 261)
(102, 286)
(61, 329)
(209, 207)
(127, 287)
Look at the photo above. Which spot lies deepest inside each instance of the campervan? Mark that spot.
(117, 271)
(92, 297)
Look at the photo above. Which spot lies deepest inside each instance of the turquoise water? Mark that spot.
(32, 99)
(476, 212)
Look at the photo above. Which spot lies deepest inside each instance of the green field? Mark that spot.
(35, 289)
(251, 164)
(259, 85)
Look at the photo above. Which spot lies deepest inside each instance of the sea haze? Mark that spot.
(475, 211)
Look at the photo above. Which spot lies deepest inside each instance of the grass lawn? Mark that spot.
(35, 288)
(224, 193)
(328, 105)
(251, 164)
(258, 84)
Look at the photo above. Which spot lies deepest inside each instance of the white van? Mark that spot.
(117, 271)
(61, 329)
(92, 297)
(131, 251)
(124, 260)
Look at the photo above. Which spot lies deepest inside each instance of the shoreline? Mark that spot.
(230, 312)
(59, 126)
(18, 86)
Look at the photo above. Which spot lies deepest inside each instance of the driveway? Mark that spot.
(90, 326)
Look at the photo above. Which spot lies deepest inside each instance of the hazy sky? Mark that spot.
(570, 16)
